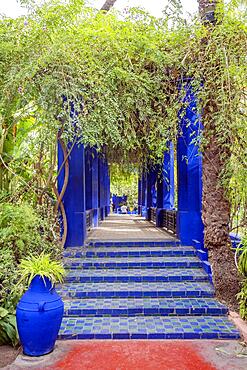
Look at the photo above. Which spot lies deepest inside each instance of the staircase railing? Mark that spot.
(169, 220)
(89, 219)
(153, 214)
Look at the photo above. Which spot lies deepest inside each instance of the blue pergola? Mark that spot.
(87, 196)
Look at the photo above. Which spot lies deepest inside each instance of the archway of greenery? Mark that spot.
(122, 71)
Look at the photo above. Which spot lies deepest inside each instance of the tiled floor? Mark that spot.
(127, 227)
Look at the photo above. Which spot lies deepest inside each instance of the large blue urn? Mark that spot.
(39, 315)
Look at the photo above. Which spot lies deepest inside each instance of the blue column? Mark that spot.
(95, 187)
(189, 163)
(88, 178)
(151, 177)
(143, 196)
(108, 190)
(106, 187)
(101, 187)
(165, 184)
(91, 177)
(139, 195)
(74, 197)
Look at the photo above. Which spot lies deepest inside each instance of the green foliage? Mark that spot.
(23, 231)
(242, 298)
(8, 333)
(242, 266)
(124, 182)
(43, 266)
(242, 260)
(9, 292)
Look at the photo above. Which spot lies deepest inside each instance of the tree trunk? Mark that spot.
(108, 5)
(216, 219)
(216, 207)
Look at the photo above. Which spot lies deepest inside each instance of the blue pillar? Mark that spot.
(106, 187)
(108, 190)
(88, 178)
(189, 163)
(151, 178)
(165, 184)
(102, 201)
(91, 177)
(143, 196)
(95, 187)
(139, 195)
(74, 197)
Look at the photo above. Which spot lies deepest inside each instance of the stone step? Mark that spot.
(148, 327)
(113, 252)
(134, 262)
(137, 290)
(144, 307)
(135, 275)
(132, 243)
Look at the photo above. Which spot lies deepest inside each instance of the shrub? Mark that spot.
(242, 267)
(8, 332)
(23, 232)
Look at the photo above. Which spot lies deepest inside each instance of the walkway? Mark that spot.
(127, 228)
(134, 281)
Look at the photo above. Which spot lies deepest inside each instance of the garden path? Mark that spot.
(119, 227)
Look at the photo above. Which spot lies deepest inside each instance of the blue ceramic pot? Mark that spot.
(39, 315)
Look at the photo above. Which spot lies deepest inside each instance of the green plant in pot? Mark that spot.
(40, 310)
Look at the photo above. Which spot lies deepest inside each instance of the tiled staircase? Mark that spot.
(140, 290)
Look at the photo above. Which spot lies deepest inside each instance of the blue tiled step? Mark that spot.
(148, 327)
(144, 306)
(135, 275)
(136, 290)
(133, 252)
(133, 243)
(134, 262)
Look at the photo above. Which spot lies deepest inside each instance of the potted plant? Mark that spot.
(39, 312)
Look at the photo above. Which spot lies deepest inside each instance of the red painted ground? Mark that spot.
(133, 355)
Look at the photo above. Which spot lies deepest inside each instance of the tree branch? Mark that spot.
(108, 5)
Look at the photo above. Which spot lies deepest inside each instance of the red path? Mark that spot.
(133, 355)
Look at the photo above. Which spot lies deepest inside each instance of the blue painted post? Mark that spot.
(106, 188)
(95, 187)
(139, 195)
(151, 177)
(88, 178)
(101, 187)
(91, 177)
(189, 162)
(108, 191)
(143, 197)
(74, 197)
(165, 184)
